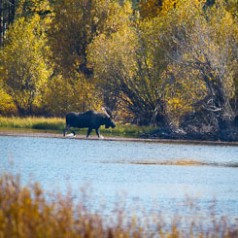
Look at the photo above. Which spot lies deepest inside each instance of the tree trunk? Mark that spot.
(7, 15)
(1, 23)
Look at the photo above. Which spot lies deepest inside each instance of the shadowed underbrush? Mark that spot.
(27, 211)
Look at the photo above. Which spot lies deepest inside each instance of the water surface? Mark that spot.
(144, 174)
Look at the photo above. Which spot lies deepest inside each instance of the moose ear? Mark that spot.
(107, 111)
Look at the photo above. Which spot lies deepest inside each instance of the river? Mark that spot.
(159, 176)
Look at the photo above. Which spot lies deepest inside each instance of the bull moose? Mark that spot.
(90, 119)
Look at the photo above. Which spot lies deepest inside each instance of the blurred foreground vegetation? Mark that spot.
(27, 211)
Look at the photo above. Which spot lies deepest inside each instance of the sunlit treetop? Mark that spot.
(152, 8)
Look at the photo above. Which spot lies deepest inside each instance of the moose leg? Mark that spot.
(98, 133)
(73, 132)
(68, 129)
(89, 131)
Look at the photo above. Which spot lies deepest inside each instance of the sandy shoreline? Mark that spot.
(108, 138)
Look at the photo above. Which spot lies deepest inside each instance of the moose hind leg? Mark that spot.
(89, 131)
(73, 132)
(66, 129)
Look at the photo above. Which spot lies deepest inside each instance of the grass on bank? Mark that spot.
(57, 125)
(40, 123)
(26, 211)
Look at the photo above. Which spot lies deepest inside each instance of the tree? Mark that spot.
(7, 106)
(7, 15)
(202, 47)
(75, 24)
(26, 8)
(25, 70)
(125, 68)
(150, 8)
(65, 95)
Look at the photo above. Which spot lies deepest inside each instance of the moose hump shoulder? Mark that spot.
(89, 119)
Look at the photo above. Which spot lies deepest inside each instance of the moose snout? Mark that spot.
(111, 124)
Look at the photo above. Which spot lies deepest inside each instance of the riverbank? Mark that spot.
(56, 125)
(52, 134)
(53, 128)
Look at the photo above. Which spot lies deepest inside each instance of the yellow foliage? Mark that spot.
(149, 8)
(122, 50)
(64, 95)
(199, 3)
(152, 8)
(7, 106)
(25, 70)
(182, 7)
(118, 17)
(169, 5)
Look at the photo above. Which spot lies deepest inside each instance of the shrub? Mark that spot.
(7, 106)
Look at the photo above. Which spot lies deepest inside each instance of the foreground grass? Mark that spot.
(25, 211)
(57, 125)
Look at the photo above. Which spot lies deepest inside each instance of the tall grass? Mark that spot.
(26, 211)
(32, 123)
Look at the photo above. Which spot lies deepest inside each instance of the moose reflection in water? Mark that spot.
(90, 119)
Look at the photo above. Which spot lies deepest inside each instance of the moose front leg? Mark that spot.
(68, 129)
(98, 133)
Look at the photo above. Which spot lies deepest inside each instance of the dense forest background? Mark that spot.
(171, 63)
